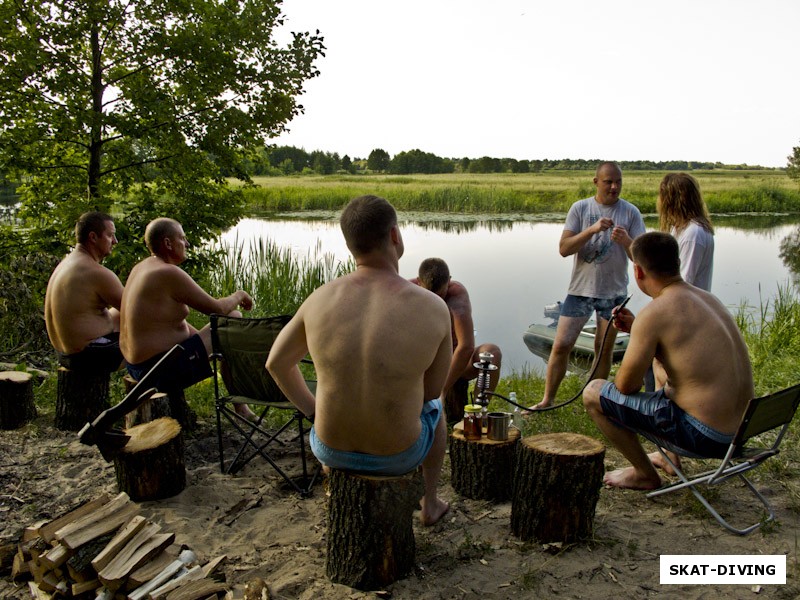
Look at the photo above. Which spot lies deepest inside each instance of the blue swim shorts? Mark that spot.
(583, 306)
(652, 414)
(101, 355)
(192, 366)
(393, 464)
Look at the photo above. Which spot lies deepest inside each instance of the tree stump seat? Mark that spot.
(81, 396)
(370, 540)
(557, 483)
(171, 404)
(151, 465)
(482, 469)
(16, 399)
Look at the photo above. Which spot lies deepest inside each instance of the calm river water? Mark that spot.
(512, 268)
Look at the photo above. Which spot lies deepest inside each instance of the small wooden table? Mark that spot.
(482, 469)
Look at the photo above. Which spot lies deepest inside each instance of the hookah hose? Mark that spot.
(595, 365)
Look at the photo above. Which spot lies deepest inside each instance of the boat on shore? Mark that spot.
(539, 337)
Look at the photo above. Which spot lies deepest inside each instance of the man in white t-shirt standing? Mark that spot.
(598, 233)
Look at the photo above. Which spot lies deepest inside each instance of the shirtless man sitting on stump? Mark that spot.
(157, 299)
(705, 362)
(381, 348)
(81, 304)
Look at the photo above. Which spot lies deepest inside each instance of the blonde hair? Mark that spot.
(680, 202)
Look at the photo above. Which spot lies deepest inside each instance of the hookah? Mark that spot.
(485, 368)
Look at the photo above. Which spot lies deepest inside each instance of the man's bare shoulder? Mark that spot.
(457, 298)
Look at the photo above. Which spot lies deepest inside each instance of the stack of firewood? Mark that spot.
(105, 550)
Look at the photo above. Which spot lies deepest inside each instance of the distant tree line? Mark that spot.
(289, 160)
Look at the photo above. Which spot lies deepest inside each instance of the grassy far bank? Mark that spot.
(551, 191)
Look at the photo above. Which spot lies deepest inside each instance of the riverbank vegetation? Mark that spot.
(725, 191)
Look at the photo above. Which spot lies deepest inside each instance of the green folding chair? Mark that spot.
(771, 413)
(240, 348)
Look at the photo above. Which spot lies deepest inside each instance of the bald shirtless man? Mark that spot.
(434, 275)
(381, 348)
(706, 366)
(157, 299)
(81, 304)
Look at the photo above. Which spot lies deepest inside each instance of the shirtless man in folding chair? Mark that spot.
(705, 361)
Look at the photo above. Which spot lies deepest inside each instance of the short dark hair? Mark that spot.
(157, 231)
(366, 222)
(433, 274)
(91, 222)
(607, 163)
(657, 253)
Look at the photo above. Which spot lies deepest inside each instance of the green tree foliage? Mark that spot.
(142, 106)
(417, 161)
(793, 168)
(378, 160)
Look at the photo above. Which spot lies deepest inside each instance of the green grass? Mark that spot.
(551, 191)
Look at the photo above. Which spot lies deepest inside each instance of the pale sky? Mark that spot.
(702, 80)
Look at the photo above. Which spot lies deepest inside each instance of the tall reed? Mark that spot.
(278, 279)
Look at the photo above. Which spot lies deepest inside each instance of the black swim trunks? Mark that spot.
(101, 355)
(188, 369)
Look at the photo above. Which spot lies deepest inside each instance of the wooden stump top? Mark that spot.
(458, 433)
(15, 376)
(564, 444)
(151, 434)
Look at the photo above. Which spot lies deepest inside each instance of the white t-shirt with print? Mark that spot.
(696, 247)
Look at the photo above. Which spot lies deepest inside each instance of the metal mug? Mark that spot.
(498, 426)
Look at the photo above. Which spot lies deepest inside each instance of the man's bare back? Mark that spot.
(375, 408)
(702, 352)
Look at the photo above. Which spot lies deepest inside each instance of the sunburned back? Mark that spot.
(704, 355)
(152, 319)
(373, 338)
(75, 311)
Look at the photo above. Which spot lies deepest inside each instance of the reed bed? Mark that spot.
(552, 191)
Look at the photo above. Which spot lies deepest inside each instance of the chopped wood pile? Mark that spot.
(105, 550)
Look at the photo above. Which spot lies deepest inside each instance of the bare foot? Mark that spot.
(659, 462)
(630, 479)
(432, 516)
(244, 411)
(532, 409)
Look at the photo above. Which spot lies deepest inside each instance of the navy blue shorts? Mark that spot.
(188, 369)
(101, 355)
(654, 415)
(583, 306)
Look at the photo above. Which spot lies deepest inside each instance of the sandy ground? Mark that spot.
(269, 532)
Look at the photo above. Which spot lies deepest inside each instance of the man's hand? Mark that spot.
(246, 302)
(620, 236)
(602, 224)
(622, 319)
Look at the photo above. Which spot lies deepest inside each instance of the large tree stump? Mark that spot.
(170, 404)
(556, 487)
(482, 469)
(16, 399)
(151, 465)
(80, 398)
(370, 531)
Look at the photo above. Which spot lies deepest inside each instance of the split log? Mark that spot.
(118, 542)
(16, 399)
(556, 487)
(482, 469)
(151, 465)
(143, 546)
(105, 520)
(80, 398)
(48, 530)
(79, 566)
(370, 533)
(153, 567)
(195, 590)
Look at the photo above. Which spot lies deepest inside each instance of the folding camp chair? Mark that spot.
(773, 412)
(240, 350)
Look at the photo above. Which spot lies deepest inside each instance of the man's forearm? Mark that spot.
(293, 385)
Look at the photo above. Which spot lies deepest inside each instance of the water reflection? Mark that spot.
(512, 268)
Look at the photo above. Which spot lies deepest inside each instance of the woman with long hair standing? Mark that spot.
(684, 214)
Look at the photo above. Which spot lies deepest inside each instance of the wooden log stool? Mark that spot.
(370, 532)
(151, 465)
(80, 397)
(16, 399)
(482, 469)
(557, 483)
(160, 404)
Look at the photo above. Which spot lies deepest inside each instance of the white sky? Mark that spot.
(703, 80)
